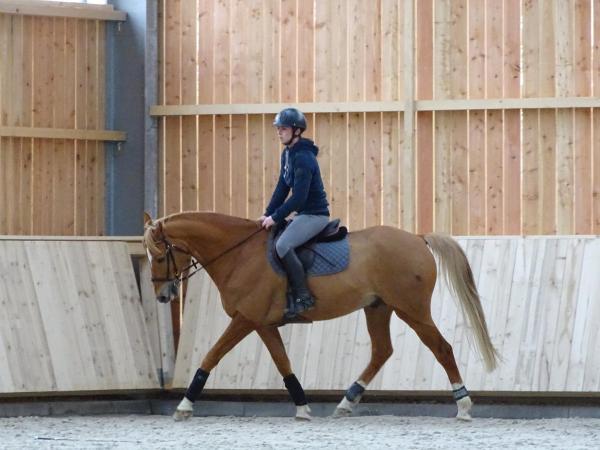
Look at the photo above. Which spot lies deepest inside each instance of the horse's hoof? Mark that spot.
(181, 415)
(303, 413)
(341, 412)
(464, 408)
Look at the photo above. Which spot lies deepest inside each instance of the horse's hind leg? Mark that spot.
(272, 340)
(442, 350)
(378, 324)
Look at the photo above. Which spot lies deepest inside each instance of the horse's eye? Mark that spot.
(160, 259)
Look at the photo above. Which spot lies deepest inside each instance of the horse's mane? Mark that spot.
(223, 220)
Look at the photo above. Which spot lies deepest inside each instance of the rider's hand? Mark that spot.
(261, 219)
(268, 222)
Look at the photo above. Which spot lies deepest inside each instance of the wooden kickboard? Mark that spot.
(72, 319)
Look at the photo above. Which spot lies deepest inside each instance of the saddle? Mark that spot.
(325, 254)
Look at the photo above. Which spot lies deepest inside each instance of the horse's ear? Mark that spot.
(147, 219)
(157, 231)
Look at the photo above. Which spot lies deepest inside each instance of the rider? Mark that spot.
(300, 173)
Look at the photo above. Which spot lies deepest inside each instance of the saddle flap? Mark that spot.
(331, 228)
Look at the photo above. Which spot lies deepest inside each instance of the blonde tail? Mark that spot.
(459, 277)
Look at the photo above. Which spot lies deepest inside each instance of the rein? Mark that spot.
(171, 259)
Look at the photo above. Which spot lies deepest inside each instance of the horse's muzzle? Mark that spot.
(168, 292)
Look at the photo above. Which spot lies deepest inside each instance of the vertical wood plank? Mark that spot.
(26, 145)
(512, 120)
(68, 196)
(443, 172)
(205, 158)
(564, 118)
(424, 121)
(324, 51)
(100, 169)
(357, 14)
(532, 172)
(583, 118)
(442, 89)
(289, 51)
(270, 51)
(460, 174)
(239, 166)
(81, 147)
(459, 88)
(189, 86)
(222, 52)
(223, 164)
(206, 56)
(42, 117)
(373, 51)
(323, 134)
(339, 164)
(93, 153)
(494, 131)
(373, 162)
(356, 170)
(392, 72)
(390, 161)
(5, 101)
(173, 135)
(306, 51)
(256, 194)
(339, 17)
(59, 121)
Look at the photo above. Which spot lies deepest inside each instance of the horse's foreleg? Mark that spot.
(378, 325)
(272, 340)
(238, 329)
(442, 350)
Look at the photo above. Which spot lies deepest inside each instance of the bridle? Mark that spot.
(178, 278)
(182, 275)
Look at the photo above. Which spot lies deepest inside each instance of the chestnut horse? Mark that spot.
(390, 271)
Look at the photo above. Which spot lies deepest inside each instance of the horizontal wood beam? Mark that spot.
(134, 243)
(61, 9)
(509, 103)
(63, 133)
(273, 108)
(420, 105)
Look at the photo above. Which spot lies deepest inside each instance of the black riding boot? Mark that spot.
(302, 299)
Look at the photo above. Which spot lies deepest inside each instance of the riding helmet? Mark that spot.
(290, 117)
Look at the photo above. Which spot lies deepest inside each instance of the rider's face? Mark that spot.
(284, 134)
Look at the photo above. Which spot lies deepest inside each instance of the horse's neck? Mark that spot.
(210, 232)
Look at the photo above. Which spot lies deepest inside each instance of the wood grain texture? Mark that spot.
(73, 312)
(52, 77)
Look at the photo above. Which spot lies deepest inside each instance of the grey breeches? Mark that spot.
(302, 229)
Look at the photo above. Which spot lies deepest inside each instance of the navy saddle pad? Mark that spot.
(318, 258)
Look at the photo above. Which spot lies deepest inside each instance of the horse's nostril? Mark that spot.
(162, 299)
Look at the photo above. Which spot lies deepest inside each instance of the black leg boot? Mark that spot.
(303, 299)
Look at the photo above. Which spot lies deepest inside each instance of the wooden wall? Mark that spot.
(539, 297)
(475, 168)
(72, 319)
(51, 78)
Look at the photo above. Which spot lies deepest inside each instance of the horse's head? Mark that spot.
(168, 261)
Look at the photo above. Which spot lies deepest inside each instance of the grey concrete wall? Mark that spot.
(125, 87)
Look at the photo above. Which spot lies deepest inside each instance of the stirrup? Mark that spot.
(299, 305)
